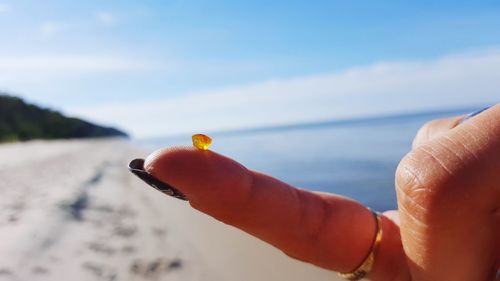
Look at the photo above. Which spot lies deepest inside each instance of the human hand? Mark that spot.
(448, 191)
(448, 196)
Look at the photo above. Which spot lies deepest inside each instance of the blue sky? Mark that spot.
(89, 57)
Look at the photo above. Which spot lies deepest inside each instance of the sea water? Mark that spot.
(355, 158)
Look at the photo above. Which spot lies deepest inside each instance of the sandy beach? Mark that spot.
(70, 210)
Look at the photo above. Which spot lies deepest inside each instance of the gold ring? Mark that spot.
(366, 266)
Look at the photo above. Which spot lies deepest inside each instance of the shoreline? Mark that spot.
(71, 208)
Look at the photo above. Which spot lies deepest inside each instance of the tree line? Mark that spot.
(22, 121)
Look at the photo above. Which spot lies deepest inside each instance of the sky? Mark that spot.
(157, 68)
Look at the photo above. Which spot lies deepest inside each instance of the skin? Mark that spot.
(447, 226)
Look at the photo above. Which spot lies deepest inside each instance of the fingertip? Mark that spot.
(435, 128)
(174, 162)
(205, 177)
(159, 158)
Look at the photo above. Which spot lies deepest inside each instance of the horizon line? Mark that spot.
(335, 122)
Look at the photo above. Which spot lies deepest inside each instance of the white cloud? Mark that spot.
(4, 8)
(105, 18)
(383, 88)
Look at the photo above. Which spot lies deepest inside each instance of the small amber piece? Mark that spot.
(201, 141)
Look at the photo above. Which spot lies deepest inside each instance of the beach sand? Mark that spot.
(70, 210)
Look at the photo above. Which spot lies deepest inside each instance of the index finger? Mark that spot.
(330, 231)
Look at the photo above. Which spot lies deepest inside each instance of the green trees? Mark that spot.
(22, 121)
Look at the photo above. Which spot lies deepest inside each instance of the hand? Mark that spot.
(448, 190)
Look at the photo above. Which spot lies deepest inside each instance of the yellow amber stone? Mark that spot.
(201, 141)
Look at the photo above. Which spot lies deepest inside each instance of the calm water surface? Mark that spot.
(352, 158)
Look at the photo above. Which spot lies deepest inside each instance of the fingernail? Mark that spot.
(470, 115)
(136, 166)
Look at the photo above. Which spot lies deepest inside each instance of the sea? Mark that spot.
(352, 157)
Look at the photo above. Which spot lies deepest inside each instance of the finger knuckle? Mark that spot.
(423, 180)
